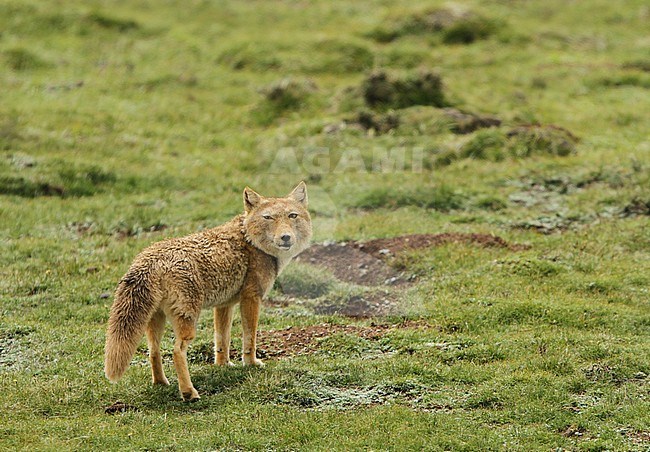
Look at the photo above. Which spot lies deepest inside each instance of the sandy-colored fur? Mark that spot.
(235, 263)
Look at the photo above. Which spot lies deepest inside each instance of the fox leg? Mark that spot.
(155, 330)
(250, 313)
(185, 331)
(222, 324)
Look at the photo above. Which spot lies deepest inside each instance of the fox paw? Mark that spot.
(226, 364)
(254, 362)
(161, 381)
(191, 396)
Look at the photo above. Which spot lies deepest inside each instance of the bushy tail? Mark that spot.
(133, 307)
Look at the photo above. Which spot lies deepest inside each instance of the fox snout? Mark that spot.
(285, 240)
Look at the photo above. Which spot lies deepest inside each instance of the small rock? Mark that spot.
(384, 251)
(334, 128)
(104, 295)
(120, 407)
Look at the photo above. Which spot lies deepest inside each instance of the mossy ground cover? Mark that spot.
(125, 123)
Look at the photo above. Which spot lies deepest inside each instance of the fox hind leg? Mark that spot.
(155, 330)
(185, 332)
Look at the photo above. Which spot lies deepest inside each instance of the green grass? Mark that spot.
(123, 125)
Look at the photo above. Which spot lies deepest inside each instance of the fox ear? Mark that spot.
(299, 193)
(251, 199)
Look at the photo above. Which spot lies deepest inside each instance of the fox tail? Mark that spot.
(131, 311)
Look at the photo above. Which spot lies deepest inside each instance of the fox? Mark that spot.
(234, 263)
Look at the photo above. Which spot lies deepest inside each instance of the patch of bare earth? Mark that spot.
(369, 304)
(297, 341)
(120, 407)
(639, 438)
(361, 306)
(350, 264)
(365, 263)
(305, 340)
(395, 245)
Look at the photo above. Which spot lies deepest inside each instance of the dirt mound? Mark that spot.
(381, 248)
(389, 90)
(296, 341)
(351, 264)
(464, 122)
(532, 139)
(120, 407)
(451, 26)
(366, 305)
(288, 93)
(361, 306)
(636, 207)
(363, 263)
(375, 122)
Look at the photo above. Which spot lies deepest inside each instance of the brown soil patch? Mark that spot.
(120, 407)
(641, 438)
(637, 207)
(382, 248)
(350, 264)
(573, 431)
(464, 123)
(296, 341)
(361, 306)
(363, 263)
(376, 122)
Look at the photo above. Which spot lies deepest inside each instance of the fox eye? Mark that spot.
(293, 215)
(267, 217)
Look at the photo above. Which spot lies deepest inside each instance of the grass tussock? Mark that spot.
(21, 59)
(112, 23)
(495, 144)
(250, 56)
(324, 56)
(382, 89)
(639, 65)
(634, 79)
(30, 21)
(526, 141)
(378, 123)
(65, 182)
(443, 198)
(446, 25)
(283, 96)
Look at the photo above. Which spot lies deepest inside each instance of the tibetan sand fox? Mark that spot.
(235, 263)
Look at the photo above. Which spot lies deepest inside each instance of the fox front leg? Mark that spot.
(250, 313)
(222, 325)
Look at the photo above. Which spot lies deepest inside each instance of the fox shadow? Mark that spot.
(208, 380)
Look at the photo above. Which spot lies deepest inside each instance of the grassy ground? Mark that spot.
(122, 123)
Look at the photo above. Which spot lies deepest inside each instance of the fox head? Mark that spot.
(280, 227)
